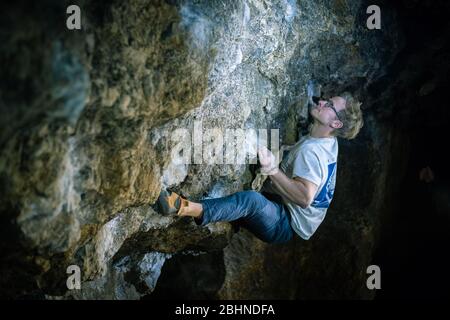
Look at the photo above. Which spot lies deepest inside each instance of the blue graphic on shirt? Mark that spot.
(325, 195)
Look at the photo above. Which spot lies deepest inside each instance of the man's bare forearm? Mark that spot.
(292, 190)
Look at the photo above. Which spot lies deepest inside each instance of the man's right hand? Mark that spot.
(269, 165)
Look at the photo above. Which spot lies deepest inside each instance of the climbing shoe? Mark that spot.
(171, 203)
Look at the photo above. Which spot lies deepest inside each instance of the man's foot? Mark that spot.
(171, 203)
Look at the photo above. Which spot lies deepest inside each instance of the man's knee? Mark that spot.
(253, 198)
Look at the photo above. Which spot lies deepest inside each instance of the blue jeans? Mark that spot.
(267, 220)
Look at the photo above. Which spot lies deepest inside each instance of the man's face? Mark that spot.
(323, 112)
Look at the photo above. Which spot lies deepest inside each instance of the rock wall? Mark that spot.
(88, 119)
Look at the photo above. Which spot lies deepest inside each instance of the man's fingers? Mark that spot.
(260, 150)
(260, 157)
(263, 149)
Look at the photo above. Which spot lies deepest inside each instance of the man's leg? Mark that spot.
(268, 220)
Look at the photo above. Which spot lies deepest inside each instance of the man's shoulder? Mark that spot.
(318, 143)
(310, 146)
(314, 147)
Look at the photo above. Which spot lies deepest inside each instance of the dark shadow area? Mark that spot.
(413, 258)
(414, 246)
(185, 276)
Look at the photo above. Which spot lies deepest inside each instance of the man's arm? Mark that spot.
(297, 190)
(260, 183)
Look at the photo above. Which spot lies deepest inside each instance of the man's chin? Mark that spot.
(313, 111)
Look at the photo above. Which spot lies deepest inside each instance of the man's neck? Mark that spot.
(320, 131)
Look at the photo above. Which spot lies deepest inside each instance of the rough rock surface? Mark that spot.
(87, 121)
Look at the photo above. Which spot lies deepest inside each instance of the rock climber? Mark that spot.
(303, 183)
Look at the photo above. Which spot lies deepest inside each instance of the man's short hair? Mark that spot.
(351, 118)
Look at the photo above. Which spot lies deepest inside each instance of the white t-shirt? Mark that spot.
(313, 159)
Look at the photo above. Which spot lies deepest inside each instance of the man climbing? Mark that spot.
(304, 183)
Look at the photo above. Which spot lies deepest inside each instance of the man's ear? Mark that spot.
(336, 124)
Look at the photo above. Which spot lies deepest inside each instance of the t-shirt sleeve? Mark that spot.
(307, 166)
